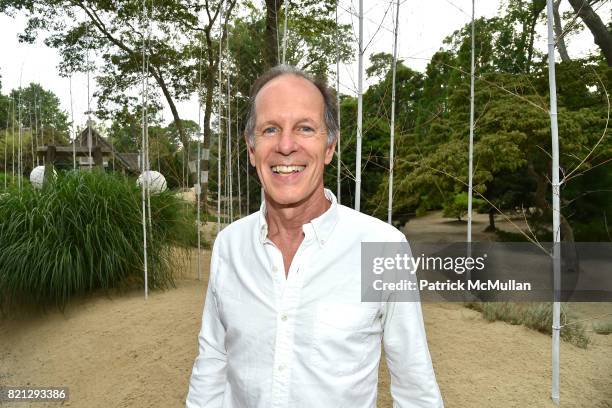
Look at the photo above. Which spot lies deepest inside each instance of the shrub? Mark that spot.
(83, 232)
(602, 328)
(536, 316)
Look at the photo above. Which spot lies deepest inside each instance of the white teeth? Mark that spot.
(287, 169)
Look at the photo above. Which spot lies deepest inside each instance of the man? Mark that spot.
(283, 323)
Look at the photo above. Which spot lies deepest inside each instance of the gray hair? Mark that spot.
(329, 111)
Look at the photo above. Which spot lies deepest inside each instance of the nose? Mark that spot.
(286, 142)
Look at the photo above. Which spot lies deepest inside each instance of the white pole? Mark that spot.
(359, 112)
(285, 31)
(8, 114)
(248, 197)
(89, 100)
(392, 130)
(219, 135)
(471, 148)
(228, 125)
(13, 145)
(19, 146)
(198, 186)
(238, 162)
(338, 150)
(145, 180)
(146, 113)
(72, 126)
(555, 201)
(198, 198)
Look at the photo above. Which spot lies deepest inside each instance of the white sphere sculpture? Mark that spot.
(154, 179)
(37, 176)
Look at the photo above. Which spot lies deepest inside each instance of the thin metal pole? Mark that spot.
(284, 60)
(40, 126)
(198, 200)
(36, 108)
(32, 134)
(219, 134)
(72, 126)
(144, 175)
(238, 162)
(471, 148)
(146, 113)
(359, 112)
(198, 188)
(20, 146)
(8, 114)
(338, 149)
(392, 129)
(13, 145)
(552, 82)
(89, 159)
(248, 198)
(228, 125)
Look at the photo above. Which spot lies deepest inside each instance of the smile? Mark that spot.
(287, 169)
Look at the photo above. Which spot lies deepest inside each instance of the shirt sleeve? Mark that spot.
(413, 381)
(208, 378)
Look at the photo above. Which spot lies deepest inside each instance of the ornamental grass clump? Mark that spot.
(536, 316)
(82, 232)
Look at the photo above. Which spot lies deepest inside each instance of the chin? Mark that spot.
(287, 196)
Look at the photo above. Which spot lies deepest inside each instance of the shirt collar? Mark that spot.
(322, 226)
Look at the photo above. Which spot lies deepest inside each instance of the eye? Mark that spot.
(269, 130)
(305, 130)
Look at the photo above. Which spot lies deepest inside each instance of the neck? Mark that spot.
(287, 220)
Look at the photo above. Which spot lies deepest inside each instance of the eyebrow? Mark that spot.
(274, 122)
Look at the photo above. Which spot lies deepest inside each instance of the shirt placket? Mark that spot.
(288, 292)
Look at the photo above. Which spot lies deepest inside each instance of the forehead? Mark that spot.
(289, 94)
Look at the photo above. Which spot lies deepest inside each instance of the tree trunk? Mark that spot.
(97, 22)
(271, 34)
(541, 189)
(603, 37)
(537, 8)
(205, 164)
(491, 226)
(559, 33)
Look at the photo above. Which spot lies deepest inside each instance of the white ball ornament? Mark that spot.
(37, 176)
(154, 180)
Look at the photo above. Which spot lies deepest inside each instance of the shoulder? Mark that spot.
(368, 228)
(237, 231)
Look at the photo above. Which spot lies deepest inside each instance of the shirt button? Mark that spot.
(281, 367)
(322, 241)
(284, 317)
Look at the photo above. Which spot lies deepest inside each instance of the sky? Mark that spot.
(422, 27)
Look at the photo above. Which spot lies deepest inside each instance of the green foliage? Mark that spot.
(458, 205)
(83, 232)
(7, 179)
(40, 109)
(536, 316)
(602, 328)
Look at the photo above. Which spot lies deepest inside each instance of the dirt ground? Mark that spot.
(123, 351)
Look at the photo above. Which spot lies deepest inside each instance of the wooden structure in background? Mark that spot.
(102, 153)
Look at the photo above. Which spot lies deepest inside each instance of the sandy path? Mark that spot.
(127, 352)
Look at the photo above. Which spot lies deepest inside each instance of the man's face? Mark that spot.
(290, 151)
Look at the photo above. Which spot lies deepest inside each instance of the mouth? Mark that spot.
(286, 170)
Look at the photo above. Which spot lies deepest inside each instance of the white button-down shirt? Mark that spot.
(305, 340)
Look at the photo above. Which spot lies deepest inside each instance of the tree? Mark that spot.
(116, 33)
(601, 33)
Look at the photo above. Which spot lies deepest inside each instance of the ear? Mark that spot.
(251, 150)
(329, 152)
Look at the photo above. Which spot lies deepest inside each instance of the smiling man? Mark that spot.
(283, 322)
